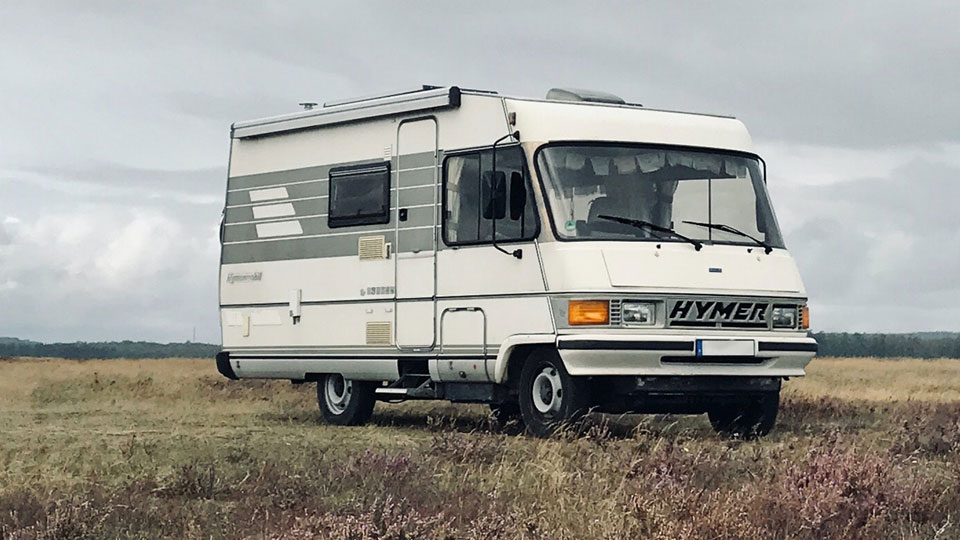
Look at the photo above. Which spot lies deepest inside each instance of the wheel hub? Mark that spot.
(547, 391)
(337, 393)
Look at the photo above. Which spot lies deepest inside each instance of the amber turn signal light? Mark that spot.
(805, 318)
(588, 312)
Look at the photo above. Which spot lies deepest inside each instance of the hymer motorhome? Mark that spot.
(545, 256)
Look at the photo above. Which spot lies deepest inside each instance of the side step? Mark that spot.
(456, 392)
(426, 390)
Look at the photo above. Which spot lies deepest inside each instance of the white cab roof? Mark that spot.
(545, 121)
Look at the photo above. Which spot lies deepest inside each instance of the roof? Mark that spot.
(432, 98)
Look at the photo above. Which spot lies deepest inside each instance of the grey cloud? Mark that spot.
(847, 74)
(115, 265)
(5, 237)
(202, 183)
(882, 244)
(99, 272)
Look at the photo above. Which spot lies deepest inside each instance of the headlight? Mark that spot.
(785, 316)
(638, 313)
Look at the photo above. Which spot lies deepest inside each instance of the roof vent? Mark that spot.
(575, 94)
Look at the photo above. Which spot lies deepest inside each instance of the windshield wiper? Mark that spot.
(641, 224)
(767, 248)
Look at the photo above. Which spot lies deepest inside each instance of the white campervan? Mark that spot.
(545, 256)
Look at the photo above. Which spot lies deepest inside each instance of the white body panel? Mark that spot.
(298, 300)
(671, 268)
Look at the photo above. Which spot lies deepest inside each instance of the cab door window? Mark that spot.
(478, 200)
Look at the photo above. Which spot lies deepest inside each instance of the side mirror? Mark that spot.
(759, 208)
(493, 195)
(518, 195)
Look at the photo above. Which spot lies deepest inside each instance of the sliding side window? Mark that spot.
(359, 195)
(477, 200)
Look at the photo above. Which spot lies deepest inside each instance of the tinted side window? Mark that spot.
(470, 188)
(359, 195)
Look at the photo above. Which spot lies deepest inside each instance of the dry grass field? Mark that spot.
(167, 448)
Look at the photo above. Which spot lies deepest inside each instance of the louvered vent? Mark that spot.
(379, 333)
(616, 312)
(372, 248)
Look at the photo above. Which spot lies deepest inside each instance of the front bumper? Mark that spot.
(609, 354)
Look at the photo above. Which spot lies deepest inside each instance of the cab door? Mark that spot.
(416, 235)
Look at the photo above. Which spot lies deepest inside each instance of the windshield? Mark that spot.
(687, 191)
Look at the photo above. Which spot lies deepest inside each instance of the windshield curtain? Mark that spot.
(666, 187)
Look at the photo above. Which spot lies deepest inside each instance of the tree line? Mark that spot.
(919, 345)
(81, 350)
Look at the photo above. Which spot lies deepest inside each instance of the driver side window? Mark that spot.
(475, 200)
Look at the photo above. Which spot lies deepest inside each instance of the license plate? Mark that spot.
(725, 347)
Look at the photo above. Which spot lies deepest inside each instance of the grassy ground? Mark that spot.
(863, 449)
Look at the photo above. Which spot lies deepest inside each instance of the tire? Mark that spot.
(549, 397)
(749, 419)
(345, 402)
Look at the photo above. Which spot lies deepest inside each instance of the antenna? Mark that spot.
(308, 105)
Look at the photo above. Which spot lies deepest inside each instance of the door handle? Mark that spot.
(403, 214)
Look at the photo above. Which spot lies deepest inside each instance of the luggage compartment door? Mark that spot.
(416, 195)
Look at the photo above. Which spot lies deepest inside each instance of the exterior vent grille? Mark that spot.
(591, 96)
(379, 333)
(373, 248)
(615, 312)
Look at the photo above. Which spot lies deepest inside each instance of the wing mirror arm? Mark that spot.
(518, 253)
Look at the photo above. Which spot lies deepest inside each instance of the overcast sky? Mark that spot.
(114, 121)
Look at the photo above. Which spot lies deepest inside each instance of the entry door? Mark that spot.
(416, 235)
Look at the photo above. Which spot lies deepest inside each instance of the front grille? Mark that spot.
(743, 325)
(694, 324)
(720, 324)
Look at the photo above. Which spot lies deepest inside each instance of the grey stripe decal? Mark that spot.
(324, 246)
(417, 217)
(312, 205)
(312, 188)
(301, 208)
(307, 190)
(411, 161)
(414, 161)
(286, 177)
(416, 196)
(416, 177)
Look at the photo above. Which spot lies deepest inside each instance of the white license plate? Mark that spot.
(725, 347)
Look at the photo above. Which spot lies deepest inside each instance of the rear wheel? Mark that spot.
(747, 419)
(345, 402)
(549, 396)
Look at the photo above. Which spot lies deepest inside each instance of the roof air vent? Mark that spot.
(593, 96)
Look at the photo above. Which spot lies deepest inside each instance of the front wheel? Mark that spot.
(345, 402)
(748, 419)
(549, 396)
